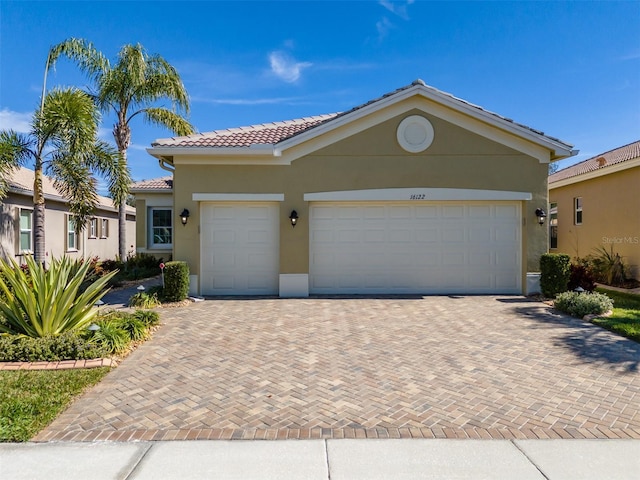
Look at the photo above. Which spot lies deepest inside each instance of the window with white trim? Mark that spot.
(577, 208)
(553, 225)
(160, 227)
(93, 228)
(72, 237)
(26, 231)
(104, 228)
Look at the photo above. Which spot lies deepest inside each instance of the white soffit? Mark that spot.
(416, 194)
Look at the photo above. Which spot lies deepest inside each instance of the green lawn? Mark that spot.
(30, 400)
(625, 319)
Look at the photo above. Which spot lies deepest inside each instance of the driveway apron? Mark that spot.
(397, 367)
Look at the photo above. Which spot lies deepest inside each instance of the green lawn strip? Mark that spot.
(30, 400)
(625, 319)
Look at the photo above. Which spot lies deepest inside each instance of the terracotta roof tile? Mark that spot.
(273, 133)
(263, 134)
(603, 160)
(162, 183)
(21, 182)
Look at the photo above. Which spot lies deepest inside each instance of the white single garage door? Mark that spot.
(417, 247)
(239, 248)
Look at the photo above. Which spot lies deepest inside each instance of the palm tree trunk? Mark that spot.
(122, 206)
(122, 231)
(38, 214)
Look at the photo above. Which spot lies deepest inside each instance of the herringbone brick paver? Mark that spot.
(432, 367)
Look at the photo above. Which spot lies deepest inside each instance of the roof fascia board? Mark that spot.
(259, 150)
(601, 172)
(59, 199)
(151, 190)
(213, 159)
(559, 150)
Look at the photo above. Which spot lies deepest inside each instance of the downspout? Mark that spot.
(166, 165)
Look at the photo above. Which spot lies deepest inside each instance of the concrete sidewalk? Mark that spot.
(324, 459)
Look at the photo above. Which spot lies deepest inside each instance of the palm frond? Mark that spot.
(74, 180)
(113, 166)
(84, 54)
(166, 118)
(15, 150)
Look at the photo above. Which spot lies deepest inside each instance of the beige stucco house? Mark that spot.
(155, 219)
(99, 238)
(414, 192)
(596, 203)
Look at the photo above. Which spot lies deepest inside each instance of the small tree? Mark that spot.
(130, 88)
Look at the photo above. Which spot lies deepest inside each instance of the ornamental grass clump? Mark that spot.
(581, 304)
(41, 301)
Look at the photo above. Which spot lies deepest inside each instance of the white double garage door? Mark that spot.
(367, 248)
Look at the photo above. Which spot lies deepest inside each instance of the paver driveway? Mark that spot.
(479, 367)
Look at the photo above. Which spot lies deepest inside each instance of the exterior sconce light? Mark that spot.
(293, 217)
(184, 216)
(541, 214)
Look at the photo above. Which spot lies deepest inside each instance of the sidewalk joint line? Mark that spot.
(326, 456)
(137, 464)
(513, 442)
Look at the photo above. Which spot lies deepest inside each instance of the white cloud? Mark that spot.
(397, 8)
(286, 67)
(16, 121)
(383, 27)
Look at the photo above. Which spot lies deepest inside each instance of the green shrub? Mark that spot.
(581, 304)
(176, 281)
(581, 276)
(42, 302)
(607, 266)
(135, 328)
(67, 346)
(111, 336)
(148, 317)
(144, 300)
(554, 273)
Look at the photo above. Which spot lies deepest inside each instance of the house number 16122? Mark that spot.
(417, 196)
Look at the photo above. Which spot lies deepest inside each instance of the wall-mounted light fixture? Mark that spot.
(293, 218)
(541, 214)
(184, 216)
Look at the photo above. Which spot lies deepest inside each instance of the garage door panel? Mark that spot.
(444, 247)
(240, 249)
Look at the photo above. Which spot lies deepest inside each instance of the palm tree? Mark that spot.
(130, 88)
(63, 143)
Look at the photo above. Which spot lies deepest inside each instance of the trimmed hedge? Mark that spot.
(554, 273)
(66, 346)
(176, 281)
(581, 304)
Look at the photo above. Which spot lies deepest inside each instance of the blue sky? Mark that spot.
(571, 69)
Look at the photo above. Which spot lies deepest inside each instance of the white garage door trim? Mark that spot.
(239, 248)
(415, 247)
(413, 194)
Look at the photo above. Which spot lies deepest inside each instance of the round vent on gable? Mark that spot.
(415, 134)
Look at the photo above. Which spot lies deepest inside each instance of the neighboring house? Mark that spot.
(416, 192)
(99, 238)
(596, 203)
(154, 213)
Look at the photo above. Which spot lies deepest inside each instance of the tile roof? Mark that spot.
(21, 182)
(263, 134)
(602, 161)
(273, 133)
(162, 183)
